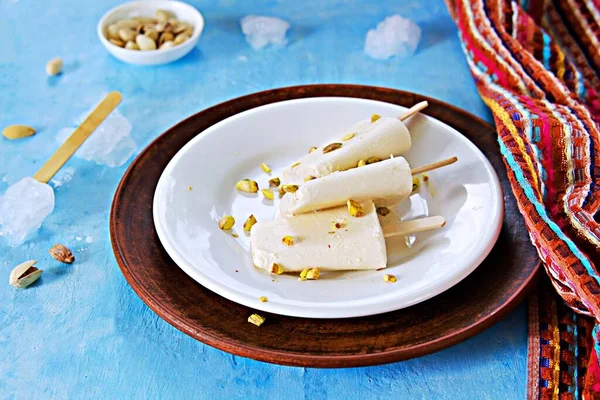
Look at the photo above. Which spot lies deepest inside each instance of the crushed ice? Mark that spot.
(62, 177)
(418, 209)
(394, 36)
(23, 208)
(261, 30)
(111, 143)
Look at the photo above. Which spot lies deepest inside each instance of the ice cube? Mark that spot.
(23, 208)
(261, 30)
(394, 36)
(110, 144)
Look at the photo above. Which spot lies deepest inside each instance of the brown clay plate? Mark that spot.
(495, 288)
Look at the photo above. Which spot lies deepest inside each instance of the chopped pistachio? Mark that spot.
(309, 178)
(375, 117)
(348, 136)
(281, 191)
(274, 182)
(226, 222)
(246, 185)
(268, 194)
(309, 274)
(311, 150)
(263, 299)
(331, 147)
(373, 160)
(416, 183)
(383, 211)
(303, 274)
(276, 269)
(289, 188)
(249, 223)
(294, 165)
(389, 278)
(287, 240)
(235, 235)
(265, 167)
(256, 319)
(361, 163)
(355, 208)
(189, 188)
(313, 274)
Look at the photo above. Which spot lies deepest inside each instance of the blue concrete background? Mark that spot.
(81, 332)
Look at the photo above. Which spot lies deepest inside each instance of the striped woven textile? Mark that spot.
(536, 64)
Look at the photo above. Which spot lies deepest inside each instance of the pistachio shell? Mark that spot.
(17, 131)
(181, 27)
(24, 274)
(117, 42)
(162, 15)
(145, 43)
(182, 37)
(145, 20)
(127, 34)
(152, 34)
(131, 46)
(127, 23)
(167, 45)
(165, 37)
(113, 31)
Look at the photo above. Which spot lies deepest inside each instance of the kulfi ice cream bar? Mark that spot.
(329, 239)
(366, 140)
(386, 182)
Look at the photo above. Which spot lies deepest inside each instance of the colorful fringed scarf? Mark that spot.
(537, 66)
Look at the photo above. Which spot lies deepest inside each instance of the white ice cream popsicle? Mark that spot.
(358, 244)
(380, 139)
(386, 183)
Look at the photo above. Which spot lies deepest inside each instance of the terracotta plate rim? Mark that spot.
(295, 358)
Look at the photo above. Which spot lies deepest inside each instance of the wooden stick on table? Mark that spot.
(68, 148)
(413, 110)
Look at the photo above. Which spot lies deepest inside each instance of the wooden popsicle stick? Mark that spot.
(432, 166)
(68, 148)
(417, 225)
(413, 110)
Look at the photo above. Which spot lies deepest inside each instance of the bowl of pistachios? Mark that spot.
(151, 32)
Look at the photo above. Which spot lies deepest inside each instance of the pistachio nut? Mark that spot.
(162, 15)
(62, 254)
(127, 34)
(145, 43)
(25, 274)
(54, 66)
(131, 46)
(167, 45)
(182, 37)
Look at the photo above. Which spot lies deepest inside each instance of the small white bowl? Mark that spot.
(147, 8)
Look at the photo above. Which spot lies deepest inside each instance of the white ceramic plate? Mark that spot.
(467, 194)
